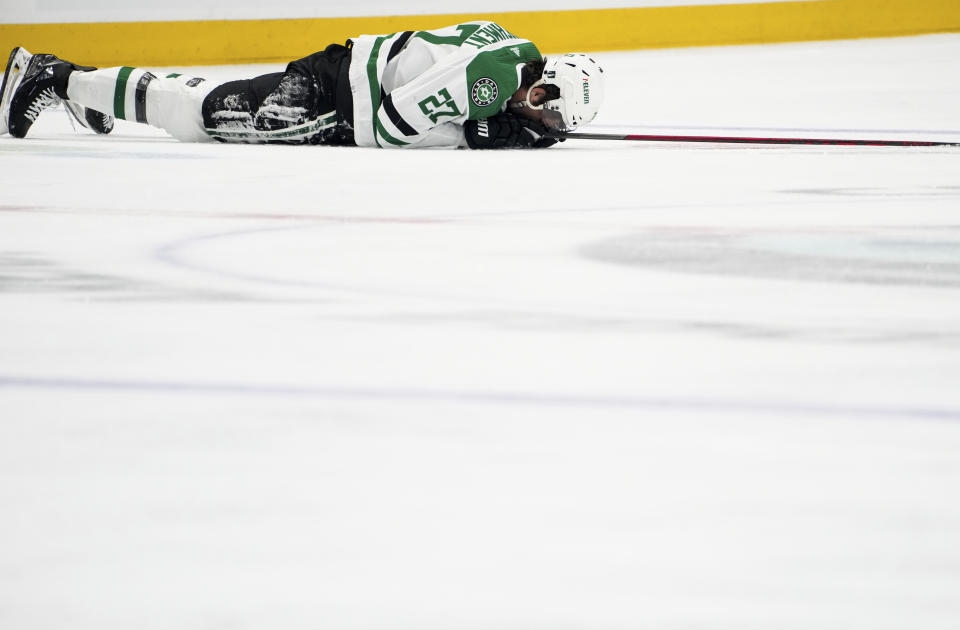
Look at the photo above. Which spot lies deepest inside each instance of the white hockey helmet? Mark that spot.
(580, 80)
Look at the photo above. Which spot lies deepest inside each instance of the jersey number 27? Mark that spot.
(439, 104)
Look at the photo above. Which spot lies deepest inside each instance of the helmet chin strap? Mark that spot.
(526, 101)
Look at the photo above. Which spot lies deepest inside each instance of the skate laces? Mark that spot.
(46, 98)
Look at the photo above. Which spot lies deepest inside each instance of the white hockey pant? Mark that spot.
(172, 102)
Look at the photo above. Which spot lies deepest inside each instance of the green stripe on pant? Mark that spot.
(120, 93)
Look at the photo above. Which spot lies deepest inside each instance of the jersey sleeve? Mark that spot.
(493, 76)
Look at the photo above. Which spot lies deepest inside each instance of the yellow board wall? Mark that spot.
(250, 41)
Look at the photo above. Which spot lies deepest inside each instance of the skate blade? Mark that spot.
(16, 66)
(79, 113)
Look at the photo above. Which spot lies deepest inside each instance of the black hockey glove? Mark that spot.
(506, 131)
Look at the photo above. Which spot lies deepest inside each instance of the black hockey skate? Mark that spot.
(33, 83)
(89, 118)
(16, 66)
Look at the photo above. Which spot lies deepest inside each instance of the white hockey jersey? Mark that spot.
(419, 87)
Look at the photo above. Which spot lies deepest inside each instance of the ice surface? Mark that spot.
(608, 385)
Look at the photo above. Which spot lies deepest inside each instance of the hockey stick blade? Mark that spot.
(746, 140)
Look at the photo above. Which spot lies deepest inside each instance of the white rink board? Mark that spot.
(53, 11)
(607, 385)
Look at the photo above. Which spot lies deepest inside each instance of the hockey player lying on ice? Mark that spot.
(471, 85)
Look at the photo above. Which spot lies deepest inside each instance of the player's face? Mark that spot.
(548, 118)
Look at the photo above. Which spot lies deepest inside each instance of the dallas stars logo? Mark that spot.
(484, 92)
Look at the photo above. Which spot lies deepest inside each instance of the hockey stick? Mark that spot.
(744, 140)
